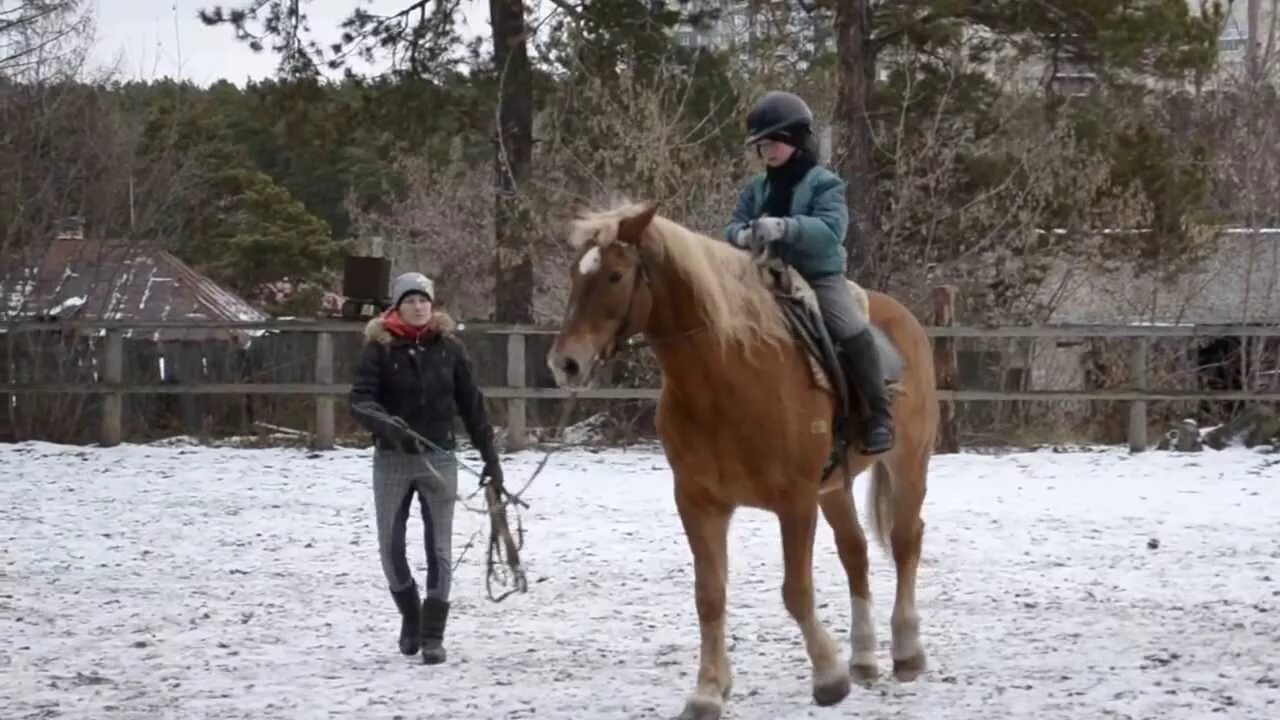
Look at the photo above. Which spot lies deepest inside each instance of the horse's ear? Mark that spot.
(631, 229)
(577, 208)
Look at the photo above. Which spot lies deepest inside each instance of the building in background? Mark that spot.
(727, 25)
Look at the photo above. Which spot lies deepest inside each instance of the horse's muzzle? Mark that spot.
(571, 365)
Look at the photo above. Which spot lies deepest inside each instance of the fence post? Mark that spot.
(517, 421)
(945, 366)
(324, 435)
(113, 403)
(1138, 408)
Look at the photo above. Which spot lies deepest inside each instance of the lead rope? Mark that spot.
(502, 562)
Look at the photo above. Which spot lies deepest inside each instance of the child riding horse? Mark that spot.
(798, 207)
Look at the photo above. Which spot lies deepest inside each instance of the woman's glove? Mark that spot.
(392, 429)
(492, 473)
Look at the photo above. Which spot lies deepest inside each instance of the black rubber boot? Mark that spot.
(861, 363)
(407, 603)
(435, 615)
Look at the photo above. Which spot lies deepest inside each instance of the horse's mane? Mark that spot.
(732, 298)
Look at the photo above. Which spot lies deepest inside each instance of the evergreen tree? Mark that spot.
(942, 52)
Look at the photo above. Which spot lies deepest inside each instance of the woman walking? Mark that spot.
(414, 376)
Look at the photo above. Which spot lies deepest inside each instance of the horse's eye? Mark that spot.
(615, 276)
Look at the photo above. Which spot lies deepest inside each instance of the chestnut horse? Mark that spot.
(745, 422)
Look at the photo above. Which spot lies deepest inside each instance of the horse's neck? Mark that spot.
(687, 350)
(673, 313)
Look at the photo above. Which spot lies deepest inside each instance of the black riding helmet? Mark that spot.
(780, 114)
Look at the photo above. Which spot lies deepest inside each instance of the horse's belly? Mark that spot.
(780, 430)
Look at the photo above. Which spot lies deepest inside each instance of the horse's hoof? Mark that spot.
(908, 669)
(831, 691)
(864, 674)
(701, 709)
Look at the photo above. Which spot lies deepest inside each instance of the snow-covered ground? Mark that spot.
(187, 582)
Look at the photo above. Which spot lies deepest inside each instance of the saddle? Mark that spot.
(799, 306)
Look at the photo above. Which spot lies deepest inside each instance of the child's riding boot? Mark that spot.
(866, 381)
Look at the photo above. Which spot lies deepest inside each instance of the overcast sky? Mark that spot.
(151, 39)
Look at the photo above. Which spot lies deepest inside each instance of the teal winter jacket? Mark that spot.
(819, 219)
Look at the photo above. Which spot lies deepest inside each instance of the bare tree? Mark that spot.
(35, 34)
(443, 227)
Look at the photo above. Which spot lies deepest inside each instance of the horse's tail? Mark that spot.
(880, 501)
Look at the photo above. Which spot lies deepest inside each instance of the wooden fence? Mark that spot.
(110, 381)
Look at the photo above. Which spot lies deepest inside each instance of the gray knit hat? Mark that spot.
(411, 282)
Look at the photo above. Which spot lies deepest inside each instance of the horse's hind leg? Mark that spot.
(707, 530)
(851, 545)
(830, 678)
(898, 504)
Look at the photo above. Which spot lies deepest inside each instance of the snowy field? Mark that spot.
(186, 582)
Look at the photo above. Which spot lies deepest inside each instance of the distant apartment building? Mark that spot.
(713, 24)
(1233, 41)
(738, 24)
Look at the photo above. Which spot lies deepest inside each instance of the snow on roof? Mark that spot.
(115, 280)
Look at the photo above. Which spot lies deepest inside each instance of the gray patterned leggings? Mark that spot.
(396, 476)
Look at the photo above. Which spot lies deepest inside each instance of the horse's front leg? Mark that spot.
(830, 677)
(707, 529)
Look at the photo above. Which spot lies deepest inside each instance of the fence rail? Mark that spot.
(1189, 330)
(326, 391)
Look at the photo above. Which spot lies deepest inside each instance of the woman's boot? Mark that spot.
(435, 615)
(407, 603)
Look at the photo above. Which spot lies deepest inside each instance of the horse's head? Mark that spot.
(609, 296)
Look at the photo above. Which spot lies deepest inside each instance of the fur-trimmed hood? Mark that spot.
(376, 329)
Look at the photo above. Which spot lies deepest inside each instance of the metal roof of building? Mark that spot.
(115, 280)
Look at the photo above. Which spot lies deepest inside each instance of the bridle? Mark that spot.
(620, 334)
(641, 276)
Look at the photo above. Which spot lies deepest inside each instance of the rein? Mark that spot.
(503, 548)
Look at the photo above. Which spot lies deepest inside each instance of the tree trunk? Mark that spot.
(513, 261)
(856, 77)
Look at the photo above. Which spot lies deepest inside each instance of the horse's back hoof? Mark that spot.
(701, 709)
(908, 669)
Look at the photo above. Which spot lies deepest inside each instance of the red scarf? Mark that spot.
(400, 328)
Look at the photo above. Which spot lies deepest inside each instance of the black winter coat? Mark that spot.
(427, 382)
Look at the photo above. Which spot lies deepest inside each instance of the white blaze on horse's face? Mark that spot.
(590, 261)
